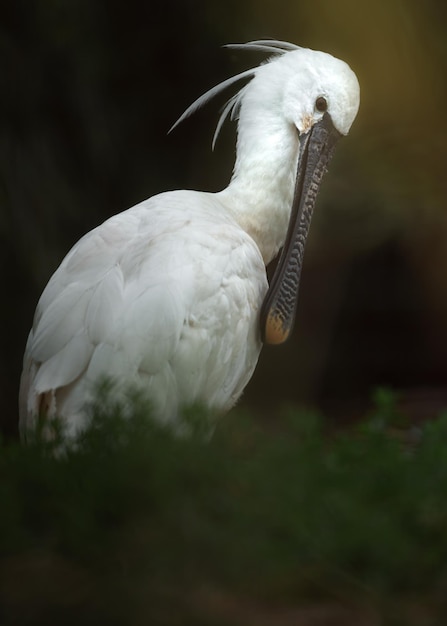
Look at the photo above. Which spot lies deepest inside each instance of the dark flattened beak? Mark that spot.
(279, 306)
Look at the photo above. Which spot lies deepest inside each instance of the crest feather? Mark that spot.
(231, 107)
(208, 95)
(265, 45)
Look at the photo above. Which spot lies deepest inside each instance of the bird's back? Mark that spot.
(164, 297)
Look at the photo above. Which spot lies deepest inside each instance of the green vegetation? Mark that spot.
(134, 524)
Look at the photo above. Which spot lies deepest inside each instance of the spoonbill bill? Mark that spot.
(171, 295)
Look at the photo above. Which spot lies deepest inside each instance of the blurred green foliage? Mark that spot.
(134, 523)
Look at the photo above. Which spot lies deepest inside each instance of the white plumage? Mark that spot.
(166, 296)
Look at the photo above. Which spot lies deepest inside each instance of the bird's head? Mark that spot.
(317, 84)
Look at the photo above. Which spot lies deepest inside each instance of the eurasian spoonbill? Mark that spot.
(171, 296)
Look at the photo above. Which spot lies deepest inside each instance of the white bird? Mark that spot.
(171, 296)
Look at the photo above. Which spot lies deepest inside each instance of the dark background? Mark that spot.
(88, 92)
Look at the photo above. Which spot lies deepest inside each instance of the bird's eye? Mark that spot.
(321, 104)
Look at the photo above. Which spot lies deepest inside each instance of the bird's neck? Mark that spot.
(261, 190)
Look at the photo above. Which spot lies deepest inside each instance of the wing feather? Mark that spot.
(60, 321)
(106, 300)
(64, 366)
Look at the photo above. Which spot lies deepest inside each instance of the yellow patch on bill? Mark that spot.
(275, 331)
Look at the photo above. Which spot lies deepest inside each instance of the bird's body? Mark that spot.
(167, 295)
(157, 296)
